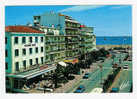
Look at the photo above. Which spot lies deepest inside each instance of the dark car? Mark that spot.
(80, 89)
(114, 90)
(86, 76)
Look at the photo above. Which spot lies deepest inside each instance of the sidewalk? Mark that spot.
(114, 82)
(74, 82)
(70, 84)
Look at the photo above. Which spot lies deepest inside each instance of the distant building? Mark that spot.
(87, 39)
(64, 23)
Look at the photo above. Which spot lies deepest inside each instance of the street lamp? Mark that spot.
(101, 69)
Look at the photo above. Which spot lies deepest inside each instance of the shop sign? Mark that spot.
(43, 67)
(28, 45)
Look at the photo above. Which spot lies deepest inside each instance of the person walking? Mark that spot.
(44, 88)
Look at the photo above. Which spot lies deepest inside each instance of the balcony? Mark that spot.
(50, 33)
(71, 28)
(71, 21)
(28, 68)
(82, 45)
(36, 21)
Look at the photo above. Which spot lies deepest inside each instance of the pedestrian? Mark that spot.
(44, 88)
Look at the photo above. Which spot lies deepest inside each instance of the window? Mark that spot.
(7, 81)
(37, 60)
(55, 38)
(36, 49)
(23, 40)
(6, 53)
(24, 64)
(16, 52)
(42, 60)
(16, 40)
(36, 39)
(51, 71)
(24, 51)
(47, 57)
(30, 61)
(16, 83)
(5, 40)
(35, 18)
(17, 66)
(30, 50)
(41, 49)
(30, 39)
(41, 39)
(6, 65)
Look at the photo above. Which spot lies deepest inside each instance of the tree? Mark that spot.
(68, 70)
(103, 52)
(77, 68)
(57, 75)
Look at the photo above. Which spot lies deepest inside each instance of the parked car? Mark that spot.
(114, 90)
(49, 89)
(97, 90)
(86, 76)
(80, 89)
(125, 67)
(46, 89)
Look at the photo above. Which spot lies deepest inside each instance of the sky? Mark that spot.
(107, 20)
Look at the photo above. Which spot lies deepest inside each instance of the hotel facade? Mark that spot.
(25, 56)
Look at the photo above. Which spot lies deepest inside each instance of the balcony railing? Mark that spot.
(28, 68)
(72, 21)
(72, 28)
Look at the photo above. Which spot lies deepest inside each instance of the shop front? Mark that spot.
(25, 81)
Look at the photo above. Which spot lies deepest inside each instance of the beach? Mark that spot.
(112, 46)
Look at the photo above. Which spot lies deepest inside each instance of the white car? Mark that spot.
(49, 89)
(46, 89)
(125, 67)
(97, 90)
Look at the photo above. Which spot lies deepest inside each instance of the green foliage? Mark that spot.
(119, 48)
(108, 82)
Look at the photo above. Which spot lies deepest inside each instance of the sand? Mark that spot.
(112, 46)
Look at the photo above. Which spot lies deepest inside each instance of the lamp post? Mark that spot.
(101, 69)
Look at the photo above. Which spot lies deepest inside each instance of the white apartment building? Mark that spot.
(23, 50)
(24, 56)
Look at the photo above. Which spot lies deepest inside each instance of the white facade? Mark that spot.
(30, 55)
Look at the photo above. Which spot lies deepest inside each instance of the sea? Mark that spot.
(117, 40)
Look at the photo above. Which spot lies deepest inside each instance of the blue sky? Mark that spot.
(107, 20)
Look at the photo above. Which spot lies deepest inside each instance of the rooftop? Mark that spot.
(22, 29)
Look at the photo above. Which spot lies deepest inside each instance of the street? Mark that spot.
(94, 80)
(125, 80)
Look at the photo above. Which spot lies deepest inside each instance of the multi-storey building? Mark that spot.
(68, 28)
(78, 40)
(87, 40)
(25, 55)
(54, 44)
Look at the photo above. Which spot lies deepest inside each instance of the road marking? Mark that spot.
(124, 84)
